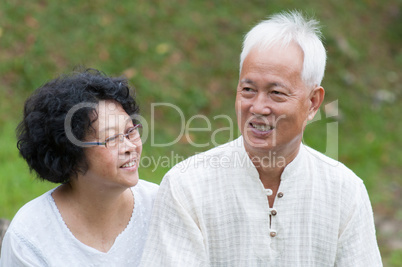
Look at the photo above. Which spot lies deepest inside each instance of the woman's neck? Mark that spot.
(95, 216)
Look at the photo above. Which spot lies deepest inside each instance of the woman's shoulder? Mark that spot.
(146, 187)
(33, 208)
(32, 217)
(145, 192)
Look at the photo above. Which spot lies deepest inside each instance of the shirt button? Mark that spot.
(280, 194)
(268, 192)
(273, 212)
(272, 233)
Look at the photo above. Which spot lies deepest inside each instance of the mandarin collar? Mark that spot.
(291, 170)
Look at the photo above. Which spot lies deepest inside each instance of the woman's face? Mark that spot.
(112, 166)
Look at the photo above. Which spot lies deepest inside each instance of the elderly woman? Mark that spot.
(80, 130)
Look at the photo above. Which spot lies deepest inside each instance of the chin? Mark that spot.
(134, 180)
(257, 143)
(129, 180)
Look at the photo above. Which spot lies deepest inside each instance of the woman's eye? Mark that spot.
(131, 131)
(111, 139)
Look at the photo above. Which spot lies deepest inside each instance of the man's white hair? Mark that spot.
(287, 27)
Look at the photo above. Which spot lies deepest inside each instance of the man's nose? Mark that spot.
(261, 105)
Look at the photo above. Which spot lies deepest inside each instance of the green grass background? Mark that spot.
(187, 53)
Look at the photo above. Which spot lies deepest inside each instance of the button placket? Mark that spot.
(272, 213)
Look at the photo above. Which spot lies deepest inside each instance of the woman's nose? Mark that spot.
(127, 146)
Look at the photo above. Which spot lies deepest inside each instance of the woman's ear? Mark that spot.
(316, 98)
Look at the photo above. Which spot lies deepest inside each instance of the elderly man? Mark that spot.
(277, 202)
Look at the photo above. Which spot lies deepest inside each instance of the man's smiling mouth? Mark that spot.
(261, 127)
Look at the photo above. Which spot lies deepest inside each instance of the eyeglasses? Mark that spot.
(133, 134)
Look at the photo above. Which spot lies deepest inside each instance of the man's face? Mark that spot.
(272, 103)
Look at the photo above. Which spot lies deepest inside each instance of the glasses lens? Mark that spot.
(112, 141)
(134, 134)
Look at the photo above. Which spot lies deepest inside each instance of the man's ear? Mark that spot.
(316, 98)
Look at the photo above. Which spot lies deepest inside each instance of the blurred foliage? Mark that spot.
(186, 53)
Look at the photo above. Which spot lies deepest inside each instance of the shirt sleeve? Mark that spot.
(16, 251)
(357, 244)
(174, 237)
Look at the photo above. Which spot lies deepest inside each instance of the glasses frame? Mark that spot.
(135, 127)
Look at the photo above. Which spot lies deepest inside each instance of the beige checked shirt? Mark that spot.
(212, 210)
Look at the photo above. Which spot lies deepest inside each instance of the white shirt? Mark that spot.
(212, 210)
(38, 236)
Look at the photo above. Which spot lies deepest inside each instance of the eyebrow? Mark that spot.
(114, 128)
(247, 80)
(127, 122)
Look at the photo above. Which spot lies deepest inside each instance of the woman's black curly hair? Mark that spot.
(41, 135)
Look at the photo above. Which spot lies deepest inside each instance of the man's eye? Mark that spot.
(248, 89)
(278, 96)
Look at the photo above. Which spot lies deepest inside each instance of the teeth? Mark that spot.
(262, 127)
(130, 164)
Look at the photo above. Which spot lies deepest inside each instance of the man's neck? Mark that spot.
(271, 165)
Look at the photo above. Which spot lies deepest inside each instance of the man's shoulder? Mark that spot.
(227, 150)
(209, 164)
(224, 149)
(333, 168)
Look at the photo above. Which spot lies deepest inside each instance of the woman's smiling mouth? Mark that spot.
(129, 164)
